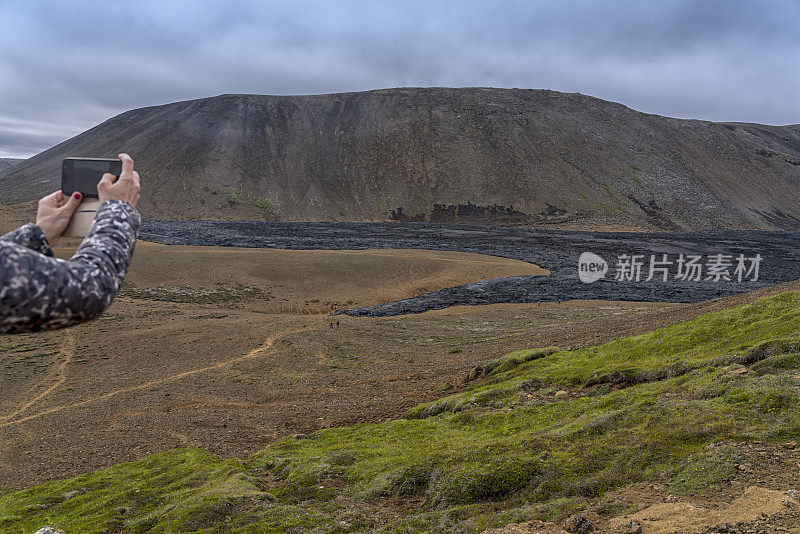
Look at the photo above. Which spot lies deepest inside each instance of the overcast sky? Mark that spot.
(70, 64)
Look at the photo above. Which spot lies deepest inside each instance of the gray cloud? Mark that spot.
(66, 66)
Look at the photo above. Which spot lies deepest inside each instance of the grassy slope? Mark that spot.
(506, 450)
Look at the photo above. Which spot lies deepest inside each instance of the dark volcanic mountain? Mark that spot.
(8, 162)
(472, 155)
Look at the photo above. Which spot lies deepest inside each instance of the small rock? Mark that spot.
(578, 524)
(794, 494)
(561, 393)
(671, 498)
(48, 530)
(738, 372)
(631, 527)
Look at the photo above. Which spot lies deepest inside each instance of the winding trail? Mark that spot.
(68, 350)
(9, 420)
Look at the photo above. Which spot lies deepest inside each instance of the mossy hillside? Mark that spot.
(506, 451)
(574, 448)
(513, 359)
(731, 336)
(165, 488)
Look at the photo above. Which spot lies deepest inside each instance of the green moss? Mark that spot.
(704, 469)
(513, 359)
(160, 492)
(763, 334)
(265, 206)
(235, 196)
(655, 405)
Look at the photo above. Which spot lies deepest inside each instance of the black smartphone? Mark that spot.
(82, 174)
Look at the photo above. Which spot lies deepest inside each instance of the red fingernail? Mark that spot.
(77, 196)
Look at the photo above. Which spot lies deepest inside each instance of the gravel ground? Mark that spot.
(557, 251)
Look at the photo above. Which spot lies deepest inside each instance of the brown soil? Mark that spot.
(686, 516)
(308, 281)
(15, 215)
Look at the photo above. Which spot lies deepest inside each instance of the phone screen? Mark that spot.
(82, 174)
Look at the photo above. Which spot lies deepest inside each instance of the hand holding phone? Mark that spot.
(83, 175)
(54, 213)
(97, 180)
(125, 188)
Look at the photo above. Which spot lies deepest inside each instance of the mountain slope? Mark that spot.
(8, 162)
(399, 152)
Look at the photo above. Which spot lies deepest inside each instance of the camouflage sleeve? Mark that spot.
(42, 293)
(29, 236)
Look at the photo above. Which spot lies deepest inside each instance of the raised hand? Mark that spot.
(126, 187)
(54, 212)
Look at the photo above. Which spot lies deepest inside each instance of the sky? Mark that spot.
(68, 65)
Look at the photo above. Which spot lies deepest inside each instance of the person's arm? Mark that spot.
(42, 293)
(29, 236)
(53, 215)
(38, 292)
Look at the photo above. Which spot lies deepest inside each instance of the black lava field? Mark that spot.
(557, 251)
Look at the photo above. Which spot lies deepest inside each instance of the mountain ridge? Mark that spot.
(8, 162)
(502, 156)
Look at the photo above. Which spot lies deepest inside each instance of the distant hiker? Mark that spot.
(337, 323)
(331, 324)
(39, 292)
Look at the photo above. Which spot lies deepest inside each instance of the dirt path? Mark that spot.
(60, 372)
(9, 419)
